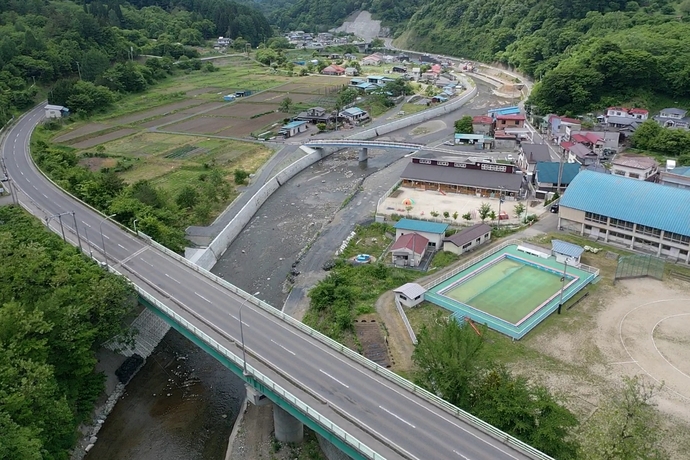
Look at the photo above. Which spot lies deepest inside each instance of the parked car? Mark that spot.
(554, 207)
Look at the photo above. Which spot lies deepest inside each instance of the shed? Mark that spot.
(56, 111)
(229, 98)
(432, 231)
(467, 239)
(409, 249)
(567, 252)
(293, 128)
(410, 294)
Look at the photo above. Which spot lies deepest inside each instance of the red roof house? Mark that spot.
(333, 69)
(510, 121)
(408, 250)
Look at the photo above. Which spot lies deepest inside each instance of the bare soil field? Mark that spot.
(243, 128)
(173, 117)
(82, 131)
(370, 336)
(201, 125)
(203, 107)
(95, 164)
(94, 141)
(276, 98)
(243, 110)
(162, 110)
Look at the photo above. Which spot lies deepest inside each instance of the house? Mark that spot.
(566, 253)
(589, 140)
(636, 214)
(372, 59)
(333, 69)
(55, 111)
(416, 73)
(635, 167)
(556, 126)
(609, 144)
(399, 69)
(351, 71)
(547, 172)
(409, 294)
(367, 87)
(409, 249)
(479, 140)
(675, 177)
(355, 115)
(432, 232)
(379, 79)
(467, 239)
(223, 42)
(504, 140)
(436, 68)
(439, 98)
(673, 118)
(482, 124)
(244, 93)
(512, 110)
(357, 81)
(579, 153)
(531, 154)
(315, 115)
(510, 121)
(293, 128)
(618, 113)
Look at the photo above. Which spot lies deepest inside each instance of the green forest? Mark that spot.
(55, 44)
(56, 308)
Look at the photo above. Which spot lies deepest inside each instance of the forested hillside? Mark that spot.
(42, 42)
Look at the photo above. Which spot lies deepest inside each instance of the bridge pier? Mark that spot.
(287, 428)
(363, 155)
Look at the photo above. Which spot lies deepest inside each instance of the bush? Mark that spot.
(241, 176)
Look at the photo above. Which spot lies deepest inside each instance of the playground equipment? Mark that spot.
(471, 323)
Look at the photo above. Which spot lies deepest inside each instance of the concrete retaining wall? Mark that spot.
(330, 451)
(208, 258)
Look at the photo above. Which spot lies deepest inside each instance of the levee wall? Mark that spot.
(208, 258)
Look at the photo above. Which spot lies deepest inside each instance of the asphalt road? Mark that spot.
(376, 411)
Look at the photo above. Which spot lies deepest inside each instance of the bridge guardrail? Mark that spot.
(382, 371)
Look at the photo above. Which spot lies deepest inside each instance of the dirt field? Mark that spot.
(96, 164)
(276, 97)
(242, 128)
(200, 125)
(203, 107)
(162, 110)
(94, 141)
(243, 110)
(371, 339)
(82, 131)
(196, 92)
(164, 120)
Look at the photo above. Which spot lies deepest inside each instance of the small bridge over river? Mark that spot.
(364, 146)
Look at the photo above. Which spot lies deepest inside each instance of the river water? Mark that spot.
(181, 405)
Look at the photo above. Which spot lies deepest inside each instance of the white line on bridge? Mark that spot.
(147, 263)
(132, 256)
(329, 375)
(289, 351)
(122, 246)
(398, 417)
(203, 297)
(105, 236)
(455, 451)
(244, 323)
(85, 224)
(174, 279)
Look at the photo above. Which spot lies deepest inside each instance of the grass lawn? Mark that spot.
(373, 240)
(409, 108)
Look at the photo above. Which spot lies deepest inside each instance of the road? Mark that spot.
(389, 419)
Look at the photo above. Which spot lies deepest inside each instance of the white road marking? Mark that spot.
(105, 236)
(244, 323)
(203, 297)
(455, 451)
(130, 257)
(173, 279)
(147, 263)
(34, 187)
(399, 418)
(44, 195)
(122, 246)
(289, 351)
(329, 375)
(85, 224)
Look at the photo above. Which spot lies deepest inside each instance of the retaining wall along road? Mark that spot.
(209, 256)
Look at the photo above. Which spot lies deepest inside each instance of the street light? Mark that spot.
(565, 269)
(100, 227)
(62, 228)
(135, 227)
(500, 200)
(244, 353)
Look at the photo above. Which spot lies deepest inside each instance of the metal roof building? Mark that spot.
(640, 215)
(420, 226)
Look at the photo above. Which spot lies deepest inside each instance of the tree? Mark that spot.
(240, 176)
(492, 215)
(187, 198)
(455, 215)
(464, 125)
(285, 105)
(484, 211)
(467, 216)
(448, 358)
(626, 427)
(377, 43)
(519, 210)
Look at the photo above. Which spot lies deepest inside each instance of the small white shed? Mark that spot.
(410, 294)
(567, 252)
(55, 111)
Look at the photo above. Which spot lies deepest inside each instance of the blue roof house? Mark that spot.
(640, 215)
(433, 231)
(566, 253)
(293, 128)
(546, 175)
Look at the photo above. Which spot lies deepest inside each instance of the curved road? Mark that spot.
(374, 410)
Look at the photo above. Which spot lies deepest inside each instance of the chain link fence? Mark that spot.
(638, 266)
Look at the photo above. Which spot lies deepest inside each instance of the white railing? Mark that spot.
(387, 194)
(589, 269)
(408, 326)
(469, 263)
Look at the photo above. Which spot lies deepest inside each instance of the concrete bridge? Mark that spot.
(363, 409)
(364, 146)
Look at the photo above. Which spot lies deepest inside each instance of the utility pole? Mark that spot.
(78, 69)
(565, 269)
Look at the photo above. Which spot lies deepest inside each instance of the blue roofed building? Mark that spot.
(355, 115)
(640, 215)
(293, 128)
(676, 177)
(546, 175)
(432, 231)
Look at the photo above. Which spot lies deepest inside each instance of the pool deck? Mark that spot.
(538, 314)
